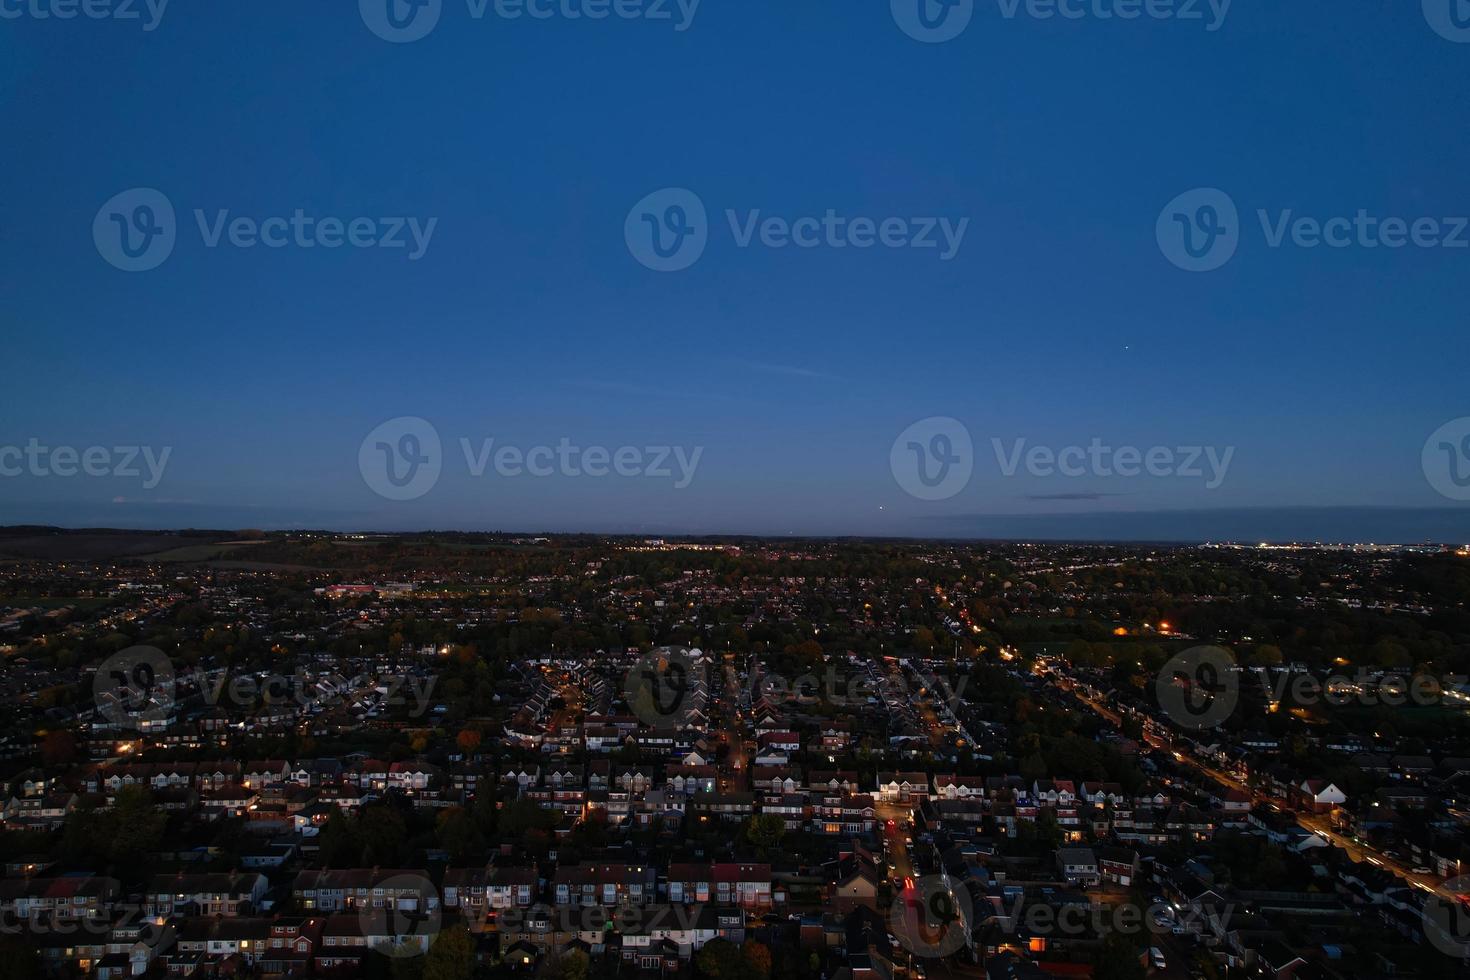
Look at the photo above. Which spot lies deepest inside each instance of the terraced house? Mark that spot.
(222, 894)
(604, 884)
(745, 885)
(404, 889)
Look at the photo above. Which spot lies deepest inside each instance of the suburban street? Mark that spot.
(1317, 823)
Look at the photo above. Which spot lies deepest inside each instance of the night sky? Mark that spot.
(1054, 151)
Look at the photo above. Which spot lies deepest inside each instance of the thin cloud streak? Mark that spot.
(789, 370)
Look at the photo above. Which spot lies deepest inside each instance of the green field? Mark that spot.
(200, 552)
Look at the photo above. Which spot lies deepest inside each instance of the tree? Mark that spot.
(757, 956)
(573, 965)
(1117, 959)
(340, 846)
(1266, 655)
(765, 830)
(134, 829)
(383, 834)
(458, 834)
(18, 961)
(485, 810)
(451, 956)
(721, 958)
(1204, 966)
(468, 739)
(523, 816)
(58, 748)
(1390, 654)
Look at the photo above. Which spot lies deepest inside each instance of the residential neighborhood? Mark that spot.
(342, 782)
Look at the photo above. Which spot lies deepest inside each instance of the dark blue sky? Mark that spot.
(527, 320)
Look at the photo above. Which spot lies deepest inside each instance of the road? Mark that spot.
(1317, 823)
(732, 733)
(894, 842)
(893, 838)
